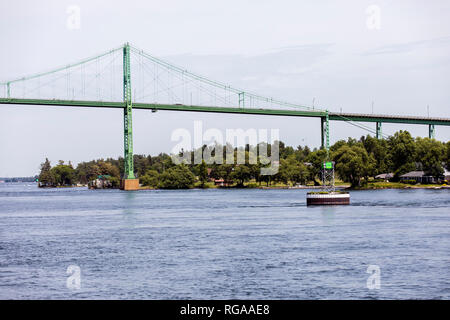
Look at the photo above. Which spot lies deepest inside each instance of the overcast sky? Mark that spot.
(330, 51)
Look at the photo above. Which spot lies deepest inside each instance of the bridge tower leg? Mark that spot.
(129, 181)
(325, 132)
(431, 131)
(379, 132)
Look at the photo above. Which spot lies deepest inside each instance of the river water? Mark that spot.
(222, 244)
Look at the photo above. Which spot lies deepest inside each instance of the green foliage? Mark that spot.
(409, 181)
(63, 175)
(327, 192)
(241, 173)
(353, 163)
(402, 149)
(292, 171)
(107, 168)
(60, 175)
(222, 171)
(430, 154)
(356, 161)
(202, 172)
(150, 179)
(178, 177)
(447, 161)
(379, 149)
(46, 179)
(115, 182)
(316, 158)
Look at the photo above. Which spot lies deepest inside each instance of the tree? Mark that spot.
(431, 154)
(150, 179)
(292, 171)
(448, 155)
(241, 173)
(177, 177)
(202, 172)
(285, 151)
(378, 148)
(81, 173)
(223, 171)
(300, 175)
(46, 179)
(93, 171)
(106, 168)
(115, 182)
(316, 158)
(64, 175)
(402, 149)
(353, 163)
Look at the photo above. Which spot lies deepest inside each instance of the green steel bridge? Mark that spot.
(104, 81)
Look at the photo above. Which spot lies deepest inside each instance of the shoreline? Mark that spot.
(340, 188)
(371, 186)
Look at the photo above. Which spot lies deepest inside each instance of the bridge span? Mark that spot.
(163, 86)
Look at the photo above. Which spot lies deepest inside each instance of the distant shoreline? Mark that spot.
(370, 186)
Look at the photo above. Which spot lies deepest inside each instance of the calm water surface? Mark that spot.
(222, 244)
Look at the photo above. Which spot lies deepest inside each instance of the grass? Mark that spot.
(395, 185)
(371, 185)
(326, 192)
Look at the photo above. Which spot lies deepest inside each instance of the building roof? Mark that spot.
(384, 176)
(413, 174)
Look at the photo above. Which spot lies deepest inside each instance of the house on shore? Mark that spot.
(418, 176)
(421, 177)
(102, 182)
(385, 176)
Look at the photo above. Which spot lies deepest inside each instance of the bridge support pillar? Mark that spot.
(129, 184)
(129, 181)
(325, 132)
(379, 132)
(431, 131)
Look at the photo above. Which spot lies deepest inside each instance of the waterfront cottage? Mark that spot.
(102, 182)
(418, 176)
(385, 176)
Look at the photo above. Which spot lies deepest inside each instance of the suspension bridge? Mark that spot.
(104, 81)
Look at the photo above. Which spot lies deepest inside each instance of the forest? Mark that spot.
(356, 163)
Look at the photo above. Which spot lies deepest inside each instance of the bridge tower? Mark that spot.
(325, 132)
(379, 133)
(431, 132)
(129, 181)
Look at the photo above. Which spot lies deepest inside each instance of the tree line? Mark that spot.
(356, 161)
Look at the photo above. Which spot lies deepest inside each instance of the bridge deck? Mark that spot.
(254, 111)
